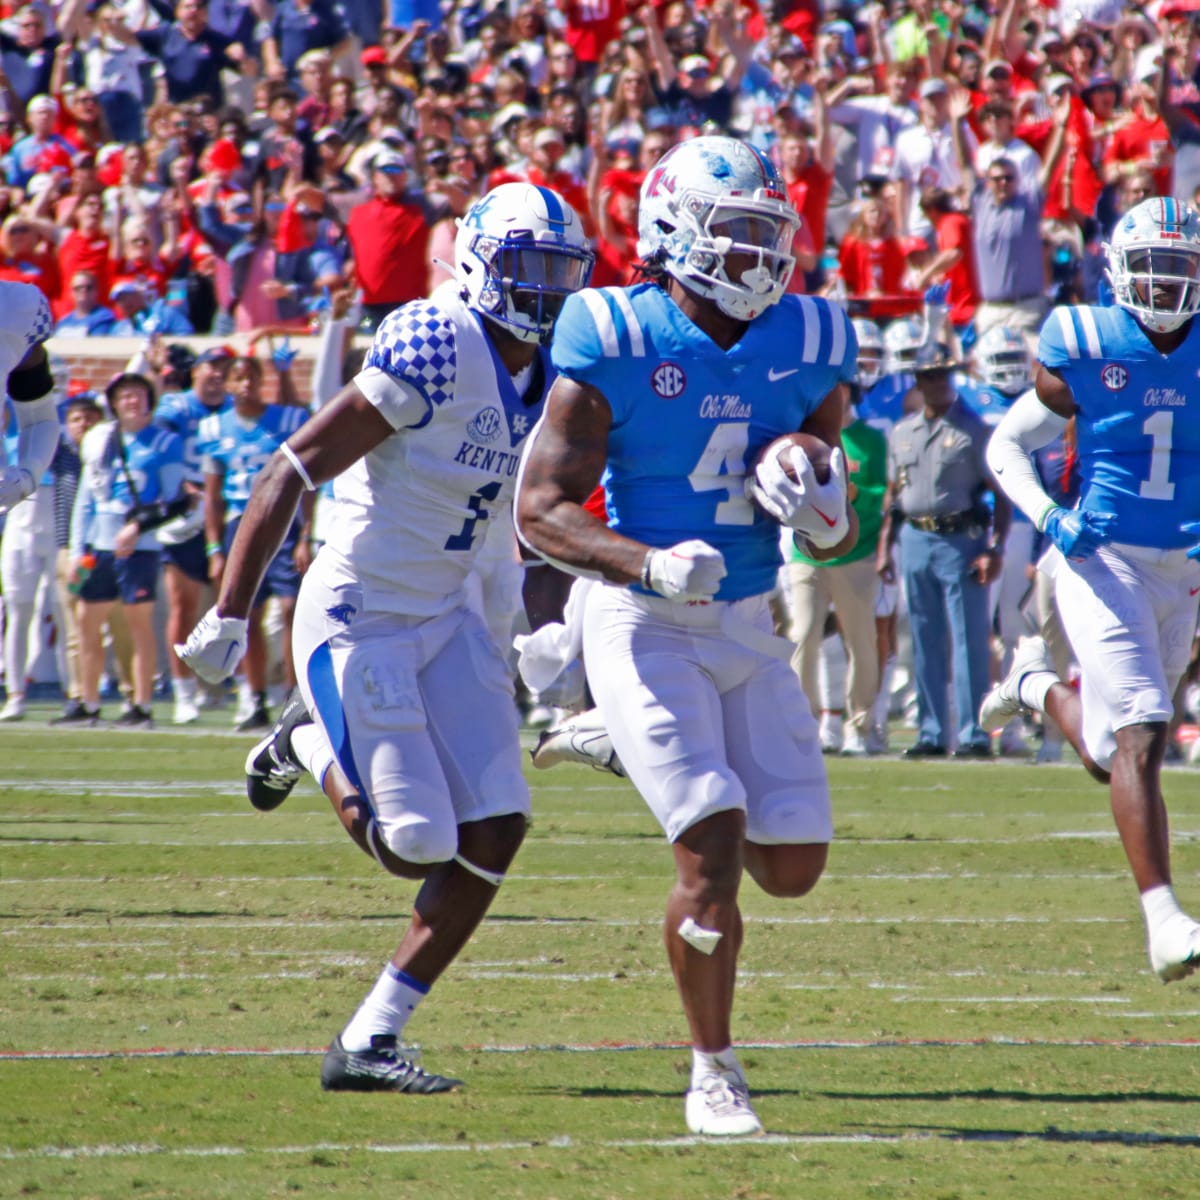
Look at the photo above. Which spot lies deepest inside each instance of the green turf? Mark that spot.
(954, 1012)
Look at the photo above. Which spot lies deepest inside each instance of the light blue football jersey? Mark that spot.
(882, 404)
(689, 419)
(243, 447)
(181, 413)
(1138, 421)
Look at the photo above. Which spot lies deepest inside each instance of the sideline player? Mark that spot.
(416, 738)
(670, 389)
(1127, 590)
(30, 385)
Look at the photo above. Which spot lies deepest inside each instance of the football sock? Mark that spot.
(1033, 688)
(704, 1063)
(184, 688)
(1159, 906)
(386, 1009)
(311, 749)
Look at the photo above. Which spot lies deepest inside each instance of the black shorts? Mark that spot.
(191, 557)
(132, 580)
(282, 579)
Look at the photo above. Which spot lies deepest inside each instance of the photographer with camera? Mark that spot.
(131, 483)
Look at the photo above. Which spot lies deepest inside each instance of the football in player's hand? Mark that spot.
(816, 450)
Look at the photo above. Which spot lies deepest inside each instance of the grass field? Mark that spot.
(962, 1009)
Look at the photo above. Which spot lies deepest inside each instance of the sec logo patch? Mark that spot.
(668, 381)
(1114, 377)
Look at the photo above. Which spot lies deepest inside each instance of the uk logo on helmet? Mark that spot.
(1114, 377)
(668, 381)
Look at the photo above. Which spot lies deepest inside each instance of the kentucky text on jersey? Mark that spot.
(1138, 428)
(689, 419)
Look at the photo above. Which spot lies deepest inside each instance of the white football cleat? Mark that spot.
(14, 709)
(830, 733)
(1175, 948)
(720, 1107)
(854, 745)
(1003, 702)
(186, 712)
(581, 738)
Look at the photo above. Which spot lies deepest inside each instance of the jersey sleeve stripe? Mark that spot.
(637, 343)
(837, 352)
(1087, 319)
(812, 329)
(606, 328)
(1066, 325)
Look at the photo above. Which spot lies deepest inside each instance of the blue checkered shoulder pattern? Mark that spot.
(416, 345)
(26, 304)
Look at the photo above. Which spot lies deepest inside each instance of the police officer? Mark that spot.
(951, 547)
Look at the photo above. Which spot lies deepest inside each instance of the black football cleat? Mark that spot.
(271, 768)
(381, 1069)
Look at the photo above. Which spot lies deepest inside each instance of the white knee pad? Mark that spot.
(417, 840)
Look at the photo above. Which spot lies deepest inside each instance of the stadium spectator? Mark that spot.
(191, 54)
(25, 158)
(389, 240)
(872, 262)
(86, 317)
(1142, 139)
(83, 411)
(298, 27)
(28, 58)
(137, 194)
(875, 118)
(84, 248)
(27, 254)
(315, 74)
(140, 312)
(806, 163)
(953, 254)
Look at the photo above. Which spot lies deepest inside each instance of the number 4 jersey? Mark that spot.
(412, 515)
(689, 419)
(1138, 421)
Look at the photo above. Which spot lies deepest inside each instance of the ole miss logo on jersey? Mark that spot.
(668, 380)
(1114, 377)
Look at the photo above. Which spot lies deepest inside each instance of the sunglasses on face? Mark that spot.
(1000, 178)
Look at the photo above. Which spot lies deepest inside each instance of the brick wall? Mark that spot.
(94, 361)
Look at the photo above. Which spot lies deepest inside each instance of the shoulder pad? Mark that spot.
(416, 344)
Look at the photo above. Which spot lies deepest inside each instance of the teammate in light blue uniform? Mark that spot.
(131, 471)
(672, 390)
(234, 446)
(185, 557)
(1126, 580)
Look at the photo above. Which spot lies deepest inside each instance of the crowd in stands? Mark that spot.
(245, 165)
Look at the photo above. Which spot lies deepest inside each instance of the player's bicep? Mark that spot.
(347, 428)
(1054, 392)
(567, 450)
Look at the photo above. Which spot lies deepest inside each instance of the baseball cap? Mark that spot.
(215, 354)
(695, 64)
(1102, 79)
(932, 87)
(388, 159)
(372, 56)
(998, 64)
(125, 287)
(548, 136)
(791, 47)
(510, 112)
(1055, 82)
(326, 132)
(42, 104)
(393, 133)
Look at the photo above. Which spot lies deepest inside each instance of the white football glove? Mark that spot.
(688, 571)
(16, 484)
(215, 647)
(815, 510)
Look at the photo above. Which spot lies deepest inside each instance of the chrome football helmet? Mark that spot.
(901, 341)
(519, 253)
(1154, 263)
(870, 352)
(714, 214)
(1002, 360)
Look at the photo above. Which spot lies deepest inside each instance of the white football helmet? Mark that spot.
(870, 351)
(1002, 360)
(714, 214)
(519, 253)
(901, 341)
(1154, 263)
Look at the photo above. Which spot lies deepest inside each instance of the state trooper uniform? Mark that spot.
(938, 477)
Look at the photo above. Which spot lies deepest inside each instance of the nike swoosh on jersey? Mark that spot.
(1193, 591)
(774, 376)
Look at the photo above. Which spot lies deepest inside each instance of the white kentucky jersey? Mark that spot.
(411, 516)
(1138, 421)
(689, 419)
(25, 321)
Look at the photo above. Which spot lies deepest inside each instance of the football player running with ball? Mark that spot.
(671, 389)
(1126, 578)
(413, 731)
